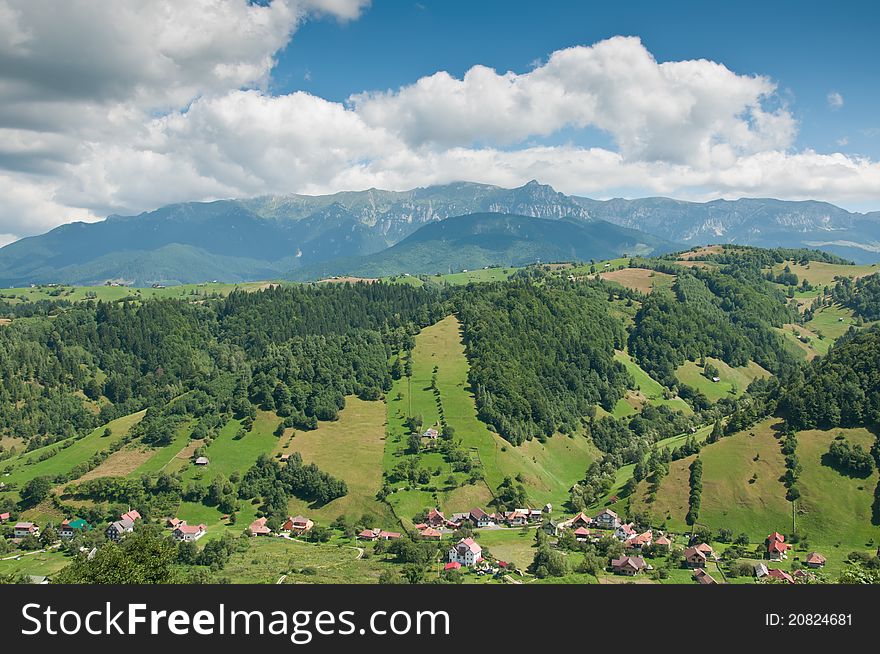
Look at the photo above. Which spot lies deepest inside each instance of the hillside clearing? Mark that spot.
(350, 449)
(732, 381)
(639, 279)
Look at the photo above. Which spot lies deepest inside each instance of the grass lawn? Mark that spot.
(474, 276)
(267, 559)
(24, 467)
(734, 381)
(42, 563)
(639, 279)
(350, 449)
(511, 545)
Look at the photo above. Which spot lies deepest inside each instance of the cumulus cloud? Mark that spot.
(686, 111)
(155, 102)
(835, 100)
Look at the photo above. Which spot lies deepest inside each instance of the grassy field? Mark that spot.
(268, 559)
(741, 487)
(803, 342)
(473, 276)
(40, 563)
(834, 507)
(24, 467)
(734, 381)
(162, 458)
(228, 454)
(115, 293)
(819, 273)
(649, 389)
(831, 322)
(639, 279)
(351, 449)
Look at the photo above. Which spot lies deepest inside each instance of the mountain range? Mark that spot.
(375, 232)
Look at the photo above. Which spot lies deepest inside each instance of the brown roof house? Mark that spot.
(258, 527)
(696, 556)
(814, 560)
(703, 577)
(629, 565)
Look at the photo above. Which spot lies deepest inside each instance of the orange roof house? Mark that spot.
(815, 560)
(258, 527)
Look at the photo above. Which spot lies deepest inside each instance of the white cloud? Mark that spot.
(165, 101)
(835, 100)
(686, 111)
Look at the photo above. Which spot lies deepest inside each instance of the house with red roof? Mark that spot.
(606, 519)
(802, 576)
(4, 516)
(258, 527)
(629, 565)
(297, 525)
(663, 543)
(174, 523)
(389, 535)
(452, 565)
(814, 560)
(639, 541)
(22, 529)
(189, 533)
(429, 533)
(582, 534)
(696, 556)
(577, 522)
(466, 552)
(435, 519)
(779, 575)
(516, 518)
(132, 515)
(368, 534)
(777, 548)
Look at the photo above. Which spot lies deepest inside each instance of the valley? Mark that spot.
(415, 392)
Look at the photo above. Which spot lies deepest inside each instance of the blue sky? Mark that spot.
(121, 107)
(809, 48)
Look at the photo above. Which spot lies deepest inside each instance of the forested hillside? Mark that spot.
(595, 384)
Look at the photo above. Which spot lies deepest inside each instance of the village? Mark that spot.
(631, 554)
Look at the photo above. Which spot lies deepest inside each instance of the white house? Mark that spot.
(606, 519)
(480, 518)
(23, 529)
(189, 533)
(466, 552)
(118, 529)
